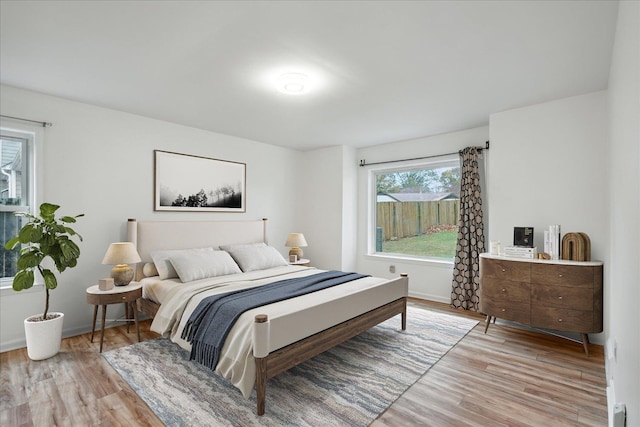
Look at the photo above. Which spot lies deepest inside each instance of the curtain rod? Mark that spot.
(44, 124)
(363, 162)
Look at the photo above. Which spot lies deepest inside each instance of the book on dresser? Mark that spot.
(521, 252)
(551, 294)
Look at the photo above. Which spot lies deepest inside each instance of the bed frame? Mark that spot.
(159, 235)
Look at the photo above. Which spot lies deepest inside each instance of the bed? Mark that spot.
(266, 340)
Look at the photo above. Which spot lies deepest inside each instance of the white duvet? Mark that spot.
(291, 320)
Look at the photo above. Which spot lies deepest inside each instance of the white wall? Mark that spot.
(322, 188)
(428, 280)
(349, 209)
(548, 165)
(623, 272)
(100, 162)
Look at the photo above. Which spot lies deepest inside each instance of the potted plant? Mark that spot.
(43, 237)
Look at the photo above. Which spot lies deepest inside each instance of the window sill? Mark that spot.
(7, 290)
(408, 259)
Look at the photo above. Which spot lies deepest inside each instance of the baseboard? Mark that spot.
(12, 345)
(609, 358)
(66, 333)
(22, 343)
(429, 297)
(611, 399)
(617, 412)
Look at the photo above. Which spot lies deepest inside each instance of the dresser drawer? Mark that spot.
(562, 275)
(517, 312)
(508, 270)
(572, 297)
(505, 290)
(562, 319)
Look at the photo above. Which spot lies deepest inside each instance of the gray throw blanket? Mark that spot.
(211, 321)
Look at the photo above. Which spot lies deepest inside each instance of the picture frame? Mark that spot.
(185, 182)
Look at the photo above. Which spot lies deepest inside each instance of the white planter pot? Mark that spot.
(43, 338)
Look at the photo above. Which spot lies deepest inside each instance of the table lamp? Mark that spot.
(295, 241)
(121, 254)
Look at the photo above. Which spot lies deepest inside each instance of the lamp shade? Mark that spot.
(296, 240)
(121, 253)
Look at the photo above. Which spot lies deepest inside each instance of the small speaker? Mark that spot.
(523, 236)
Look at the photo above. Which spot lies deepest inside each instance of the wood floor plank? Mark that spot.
(472, 379)
(507, 377)
(19, 415)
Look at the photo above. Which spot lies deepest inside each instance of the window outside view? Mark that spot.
(13, 198)
(417, 210)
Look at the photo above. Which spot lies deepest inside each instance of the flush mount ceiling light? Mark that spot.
(293, 83)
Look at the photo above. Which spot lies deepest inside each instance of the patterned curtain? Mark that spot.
(466, 269)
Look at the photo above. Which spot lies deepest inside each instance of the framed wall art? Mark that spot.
(184, 182)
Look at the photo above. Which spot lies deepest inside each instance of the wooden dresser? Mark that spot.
(560, 295)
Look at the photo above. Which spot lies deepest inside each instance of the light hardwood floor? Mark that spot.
(508, 377)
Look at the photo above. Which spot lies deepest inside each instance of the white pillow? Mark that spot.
(163, 264)
(255, 257)
(200, 265)
(149, 270)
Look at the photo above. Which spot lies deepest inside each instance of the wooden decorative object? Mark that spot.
(105, 284)
(576, 247)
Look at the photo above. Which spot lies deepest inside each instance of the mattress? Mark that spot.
(156, 289)
(290, 320)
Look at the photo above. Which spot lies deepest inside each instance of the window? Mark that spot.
(16, 192)
(415, 209)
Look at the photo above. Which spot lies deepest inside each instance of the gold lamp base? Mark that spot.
(296, 251)
(122, 274)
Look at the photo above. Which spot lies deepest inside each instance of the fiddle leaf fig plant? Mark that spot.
(44, 236)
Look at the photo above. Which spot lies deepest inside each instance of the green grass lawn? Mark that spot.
(441, 245)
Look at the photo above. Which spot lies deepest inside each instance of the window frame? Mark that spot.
(33, 136)
(431, 163)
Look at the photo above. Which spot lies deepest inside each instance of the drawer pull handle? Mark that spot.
(504, 290)
(560, 297)
(559, 320)
(559, 275)
(504, 309)
(124, 297)
(503, 270)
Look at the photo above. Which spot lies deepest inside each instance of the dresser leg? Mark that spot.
(585, 343)
(486, 323)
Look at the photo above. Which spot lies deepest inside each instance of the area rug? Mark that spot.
(349, 385)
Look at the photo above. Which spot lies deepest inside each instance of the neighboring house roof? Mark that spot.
(383, 197)
(415, 197)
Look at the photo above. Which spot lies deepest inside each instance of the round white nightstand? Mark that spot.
(303, 262)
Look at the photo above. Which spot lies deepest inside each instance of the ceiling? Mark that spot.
(383, 71)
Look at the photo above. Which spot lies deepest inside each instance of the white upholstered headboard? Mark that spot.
(150, 236)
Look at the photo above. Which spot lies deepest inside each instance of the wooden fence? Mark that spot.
(405, 219)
